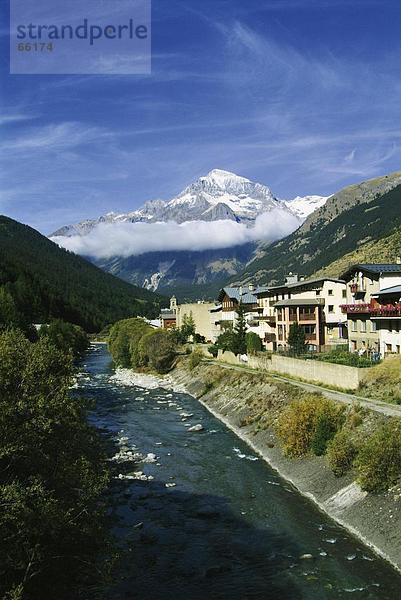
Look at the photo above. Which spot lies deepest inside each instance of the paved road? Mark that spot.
(392, 410)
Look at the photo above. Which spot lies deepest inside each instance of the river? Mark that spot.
(230, 528)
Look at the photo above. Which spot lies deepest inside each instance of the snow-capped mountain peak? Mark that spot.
(220, 195)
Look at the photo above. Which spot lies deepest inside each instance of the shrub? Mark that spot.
(195, 359)
(124, 341)
(213, 350)
(341, 452)
(158, 350)
(379, 460)
(306, 422)
(326, 428)
(225, 341)
(253, 343)
(66, 337)
(341, 356)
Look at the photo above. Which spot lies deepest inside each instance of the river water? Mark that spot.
(230, 528)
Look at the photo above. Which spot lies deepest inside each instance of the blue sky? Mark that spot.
(302, 95)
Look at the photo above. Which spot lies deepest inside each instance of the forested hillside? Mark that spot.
(354, 217)
(385, 250)
(40, 281)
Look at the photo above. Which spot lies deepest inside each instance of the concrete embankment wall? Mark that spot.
(231, 396)
(310, 370)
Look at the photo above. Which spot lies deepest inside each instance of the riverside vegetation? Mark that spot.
(52, 471)
(351, 439)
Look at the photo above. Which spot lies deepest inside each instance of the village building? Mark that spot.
(201, 315)
(231, 297)
(168, 316)
(315, 305)
(372, 308)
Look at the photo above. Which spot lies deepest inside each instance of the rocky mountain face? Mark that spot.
(351, 219)
(219, 196)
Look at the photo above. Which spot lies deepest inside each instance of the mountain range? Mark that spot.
(220, 196)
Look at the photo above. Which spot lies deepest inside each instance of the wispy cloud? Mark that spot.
(54, 137)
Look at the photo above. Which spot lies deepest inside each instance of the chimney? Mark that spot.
(291, 278)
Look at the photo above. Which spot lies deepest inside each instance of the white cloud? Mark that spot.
(132, 239)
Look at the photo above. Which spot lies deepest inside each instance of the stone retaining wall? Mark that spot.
(314, 371)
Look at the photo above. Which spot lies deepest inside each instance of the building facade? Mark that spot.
(372, 308)
(315, 305)
(200, 312)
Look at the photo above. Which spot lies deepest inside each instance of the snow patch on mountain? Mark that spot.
(303, 206)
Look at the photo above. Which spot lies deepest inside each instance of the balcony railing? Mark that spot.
(307, 317)
(356, 308)
(387, 310)
(373, 309)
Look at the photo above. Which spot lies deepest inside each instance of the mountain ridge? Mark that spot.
(355, 215)
(217, 196)
(40, 281)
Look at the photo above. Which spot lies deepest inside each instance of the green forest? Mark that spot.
(40, 281)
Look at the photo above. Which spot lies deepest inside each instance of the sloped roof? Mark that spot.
(313, 281)
(395, 289)
(234, 293)
(375, 268)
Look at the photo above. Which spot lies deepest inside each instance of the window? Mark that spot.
(344, 294)
(354, 326)
(398, 349)
(389, 348)
(331, 292)
(317, 292)
(331, 308)
(363, 326)
(373, 326)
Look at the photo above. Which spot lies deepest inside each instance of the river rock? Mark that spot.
(306, 556)
(150, 458)
(197, 427)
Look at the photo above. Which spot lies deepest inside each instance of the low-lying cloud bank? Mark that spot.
(132, 239)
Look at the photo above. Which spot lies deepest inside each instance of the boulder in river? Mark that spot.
(197, 427)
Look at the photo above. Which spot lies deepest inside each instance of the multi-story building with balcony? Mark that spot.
(315, 305)
(372, 308)
(231, 297)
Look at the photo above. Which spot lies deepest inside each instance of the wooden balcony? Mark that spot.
(307, 317)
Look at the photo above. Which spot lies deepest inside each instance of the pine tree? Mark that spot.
(239, 337)
(296, 339)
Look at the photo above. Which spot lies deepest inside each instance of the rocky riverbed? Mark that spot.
(198, 514)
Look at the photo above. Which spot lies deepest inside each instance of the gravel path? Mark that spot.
(391, 410)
